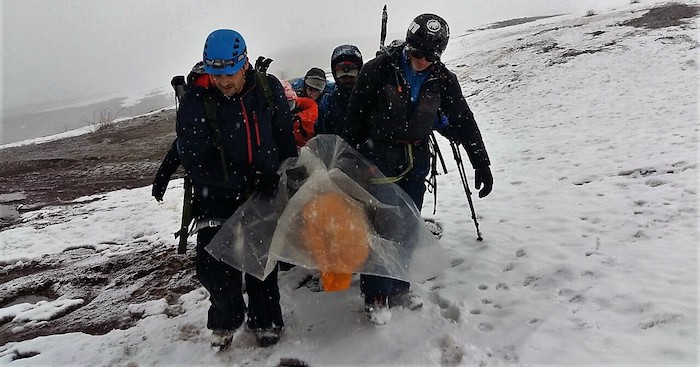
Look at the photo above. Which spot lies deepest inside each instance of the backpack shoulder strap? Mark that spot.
(210, 111)
(261, 79)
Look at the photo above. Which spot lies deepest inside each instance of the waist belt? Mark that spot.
(207, 223)
(410, 142)
(408, 148)
(381, 137)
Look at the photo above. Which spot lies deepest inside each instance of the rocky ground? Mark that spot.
(122, 155)
(115, 156)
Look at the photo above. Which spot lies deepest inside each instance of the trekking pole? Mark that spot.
(382, 38)
(465, 184)
(183, 233)
(438, 152)
(433, 168)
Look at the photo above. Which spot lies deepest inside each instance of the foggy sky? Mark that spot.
(60, 50)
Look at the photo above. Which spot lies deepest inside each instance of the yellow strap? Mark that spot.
(400, 176)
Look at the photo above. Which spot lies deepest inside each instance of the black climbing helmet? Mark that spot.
(346, 53)
(428, 33)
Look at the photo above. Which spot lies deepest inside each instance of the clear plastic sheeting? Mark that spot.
(333, 211)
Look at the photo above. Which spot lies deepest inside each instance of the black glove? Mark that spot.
(262, 63)
(178, 83)
(482, 175)
(158, 191)
(266, 182)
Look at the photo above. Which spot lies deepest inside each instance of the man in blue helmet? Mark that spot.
(393, 109)
(346, 62)
(231, 138)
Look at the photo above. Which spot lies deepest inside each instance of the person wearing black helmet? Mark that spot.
(231, 139)
(393, 108)
(346, 62)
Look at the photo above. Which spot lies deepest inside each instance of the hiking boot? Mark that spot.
(221, 339)
(434, 227)
(407, 299)
(267, 337)
(377, 310)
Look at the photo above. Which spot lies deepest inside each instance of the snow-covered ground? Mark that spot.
(590, 251)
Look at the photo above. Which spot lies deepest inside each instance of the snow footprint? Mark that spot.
(520, 253)
(451, 353)
(189, 331)
(448, 309)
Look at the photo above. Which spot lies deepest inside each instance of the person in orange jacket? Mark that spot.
(305, 112)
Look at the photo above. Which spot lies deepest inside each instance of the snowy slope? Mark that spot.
(590, 235)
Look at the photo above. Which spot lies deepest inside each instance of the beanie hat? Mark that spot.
(315, 78)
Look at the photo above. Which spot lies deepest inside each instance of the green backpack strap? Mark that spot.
(210, 111)
(264, 84)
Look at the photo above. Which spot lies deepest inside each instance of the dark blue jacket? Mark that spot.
(252, 137)
(331, 111)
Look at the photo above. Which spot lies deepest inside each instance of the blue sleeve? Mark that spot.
(297, 85)
(323, 107)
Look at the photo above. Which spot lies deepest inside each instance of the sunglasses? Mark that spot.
(220, 64)
(346, 66)
(423, 55)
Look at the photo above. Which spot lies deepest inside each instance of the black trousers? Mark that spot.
(225, 286)
(391, 160)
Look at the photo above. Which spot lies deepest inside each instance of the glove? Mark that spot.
(441, 122)
(262, 63)
(266, 182)
(259, 63)
(482, 175)
(158, 191)
(160, 184)
(178, 83)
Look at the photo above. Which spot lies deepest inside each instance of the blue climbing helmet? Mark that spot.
(225, 52)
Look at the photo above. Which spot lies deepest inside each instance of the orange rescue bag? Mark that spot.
(336, 233)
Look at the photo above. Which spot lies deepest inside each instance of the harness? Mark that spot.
(408, 145)
(210, 106)
(408, 151)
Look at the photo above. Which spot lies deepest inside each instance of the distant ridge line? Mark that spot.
(507, 23)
